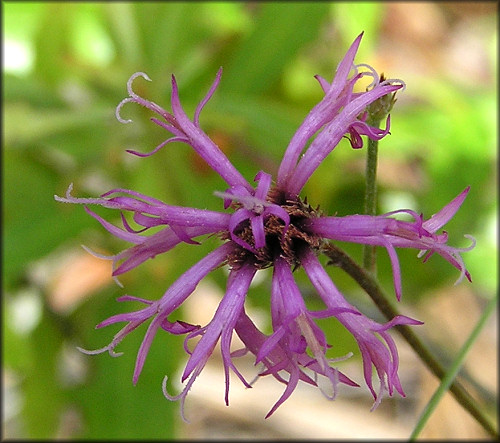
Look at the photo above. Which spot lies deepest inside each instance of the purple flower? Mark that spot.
(388, 232)
(270, 226)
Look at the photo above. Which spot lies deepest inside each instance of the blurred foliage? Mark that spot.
(60, 127)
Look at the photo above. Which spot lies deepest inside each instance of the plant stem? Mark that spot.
(369, 284)
(369, 251)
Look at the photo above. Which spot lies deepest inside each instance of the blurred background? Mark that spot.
(65, 68)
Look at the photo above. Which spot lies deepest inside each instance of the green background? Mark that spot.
(60, 128)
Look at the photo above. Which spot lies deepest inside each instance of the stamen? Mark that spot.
(100, 351)
(118, 109)
(392, 81)
(312, 341)
(132, 78)
(372, 73)
(249, 202)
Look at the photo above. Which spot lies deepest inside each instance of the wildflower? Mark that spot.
(269, 226)
(388, 232)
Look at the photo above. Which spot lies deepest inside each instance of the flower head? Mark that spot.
(269, 225)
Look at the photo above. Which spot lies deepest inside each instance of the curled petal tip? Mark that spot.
(140, 74)
(132, 78)
(119, 107)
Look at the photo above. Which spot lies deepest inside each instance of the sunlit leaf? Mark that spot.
(261, 57)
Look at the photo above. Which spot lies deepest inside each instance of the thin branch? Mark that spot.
(369, 284)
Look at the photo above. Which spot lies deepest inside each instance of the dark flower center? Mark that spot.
(277, 244)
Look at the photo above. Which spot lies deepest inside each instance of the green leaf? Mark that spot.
(34, 223)
(112, 407)
(354, 17)
(48, 123)
(453, 371)
(280, 31)
(44, 397)
(121, 23)
(53, 43)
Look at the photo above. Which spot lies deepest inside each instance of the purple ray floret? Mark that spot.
(390, 233)
(269, 226)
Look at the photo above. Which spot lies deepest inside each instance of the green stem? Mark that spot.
(369, 284)
(369, 255)
(453, 371)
